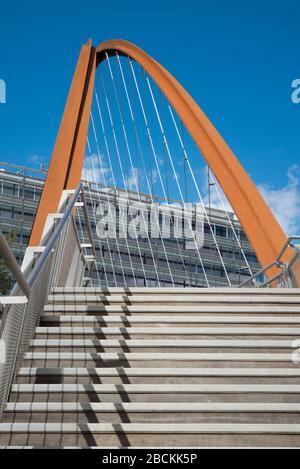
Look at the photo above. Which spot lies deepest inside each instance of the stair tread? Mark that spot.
(173, 319)
(203, 330)
(178, 298)
(187, 290)
(150, 428)
(159, 356)
(200, 308)
(175, 343)
(161, 371)
(266, 321)
(157, 388)
(151, 407)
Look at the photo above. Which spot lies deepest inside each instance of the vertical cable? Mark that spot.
(113, 179)
(130, 159)
(174, 172)
(94, 215)
(199, 195)
(150, 186)
(101, 169)
(122, 169)
(231, 224)
(150, 140)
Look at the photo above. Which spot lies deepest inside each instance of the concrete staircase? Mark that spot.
(159, 367)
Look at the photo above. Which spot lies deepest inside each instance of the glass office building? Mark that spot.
(124, 261)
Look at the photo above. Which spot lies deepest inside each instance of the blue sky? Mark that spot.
(236, 58)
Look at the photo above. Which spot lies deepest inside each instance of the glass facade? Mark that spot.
(20, 191)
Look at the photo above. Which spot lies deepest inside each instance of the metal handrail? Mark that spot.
(58, 261)
(277, 262)
(286, 244)
(24, 283)
(22, 168)
(13, 266)
(53, 239)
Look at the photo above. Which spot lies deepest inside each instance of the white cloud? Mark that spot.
(285, 202)
(96, 170)
(133, 179)
(160, 161)
(36, 160)
(153, 176)
(175, 176)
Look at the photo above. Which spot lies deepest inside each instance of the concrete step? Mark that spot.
(168, 372)
(178, 345)
(172, 309)
(204, 330)
(160, 334)
(147, 359)
(174, 321)
(122, 359)
(152, 417)
(170, 290)
(283, 336)
(171, 299)
(88, 396)
(149, 434)
(152, 428)
(147, 367)
(157, 375)
(156, 388)
(160, 407)
(164, 412)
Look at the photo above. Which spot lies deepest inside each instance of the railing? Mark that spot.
(23, 170)
(285, 278)
(13, 266)
(58, 261)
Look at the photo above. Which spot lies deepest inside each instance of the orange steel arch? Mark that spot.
(67, 158)
(262, 229)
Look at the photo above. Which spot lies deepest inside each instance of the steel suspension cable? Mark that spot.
(115, 188)
(101, 246)
(122, 170)
(175, 174)
(93, 212)
(149, 137)
(230, 222)
(107, 197)
(150, 187)
(110, 251)
(130, 105)
(131, 165)
(199, 195)
(114, 181)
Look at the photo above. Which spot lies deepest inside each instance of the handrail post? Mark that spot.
(285, 266)
(13, 266)
(87, 221)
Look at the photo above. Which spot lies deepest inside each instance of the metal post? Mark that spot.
(13, 266)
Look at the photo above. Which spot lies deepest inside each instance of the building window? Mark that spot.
(221, 231)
